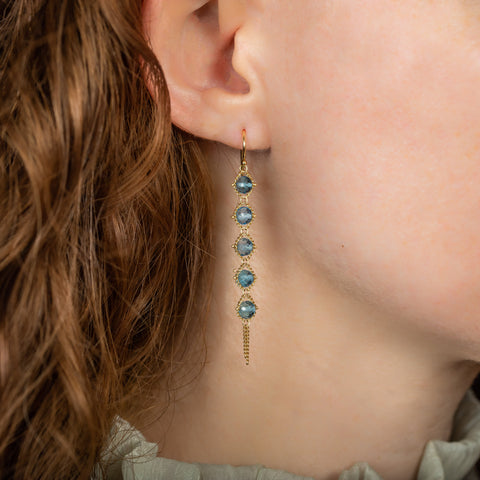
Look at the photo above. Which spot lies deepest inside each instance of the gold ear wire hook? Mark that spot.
(243, 153)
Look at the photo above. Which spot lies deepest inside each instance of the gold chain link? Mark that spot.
(246, 343)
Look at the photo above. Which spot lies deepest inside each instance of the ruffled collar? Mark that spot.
(131, 457)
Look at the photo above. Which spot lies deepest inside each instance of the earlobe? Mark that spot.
(212, 81)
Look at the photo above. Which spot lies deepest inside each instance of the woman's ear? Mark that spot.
(208, 53)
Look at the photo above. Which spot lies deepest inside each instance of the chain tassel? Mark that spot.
(246, 341)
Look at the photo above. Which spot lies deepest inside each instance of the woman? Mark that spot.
(121, 328)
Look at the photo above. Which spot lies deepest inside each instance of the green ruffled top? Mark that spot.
(131, 457)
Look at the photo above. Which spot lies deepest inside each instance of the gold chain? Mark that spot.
(246, 341)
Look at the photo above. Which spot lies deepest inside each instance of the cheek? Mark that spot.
(381, 136)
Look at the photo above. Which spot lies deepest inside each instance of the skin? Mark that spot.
(363, 130)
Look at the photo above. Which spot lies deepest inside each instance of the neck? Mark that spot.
(332, 380)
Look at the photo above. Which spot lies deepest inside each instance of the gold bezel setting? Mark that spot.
(246, 173)
(246, 297)
(234, 216)
(244, 266)
(244, 234)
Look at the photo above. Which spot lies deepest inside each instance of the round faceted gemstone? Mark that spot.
(244, 215)
(243, 184)
(245, 278)
(244, 246)
(247, 309)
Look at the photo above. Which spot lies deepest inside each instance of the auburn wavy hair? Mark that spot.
(105, 232)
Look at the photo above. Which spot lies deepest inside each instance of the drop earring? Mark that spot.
(244, 246)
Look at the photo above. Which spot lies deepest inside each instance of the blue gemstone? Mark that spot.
(245, 278)
(244, 184)
(244, 246)
(247, 309)
(244, 215)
